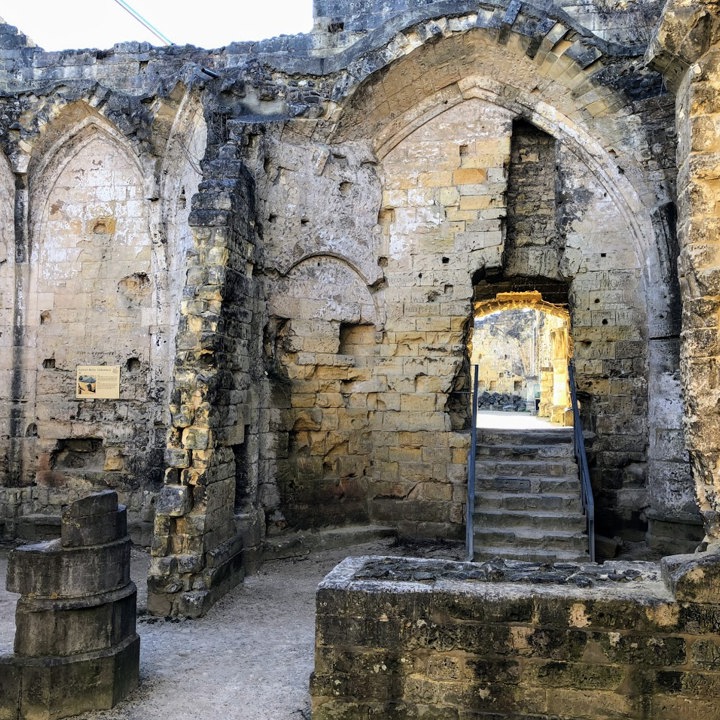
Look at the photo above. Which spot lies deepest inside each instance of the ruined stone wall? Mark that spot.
(283, 261)
(212, 473)
(348, 21)
(97, 221)
(92, 287)
(319, 210)
(449, 640)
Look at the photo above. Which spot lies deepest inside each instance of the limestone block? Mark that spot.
(48, 570)
(174, 501)
(10, 688)
(177, 457)
(71, 686)
(693, 578)
(79, 626)
(95, 528)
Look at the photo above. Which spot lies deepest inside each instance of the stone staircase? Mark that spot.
(527, 497)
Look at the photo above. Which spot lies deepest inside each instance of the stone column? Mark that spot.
(686, 49)
(76, 648)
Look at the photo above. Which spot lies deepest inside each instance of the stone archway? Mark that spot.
(92, 294)
(621, 288)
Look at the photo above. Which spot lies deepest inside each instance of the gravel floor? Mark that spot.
(250, 658)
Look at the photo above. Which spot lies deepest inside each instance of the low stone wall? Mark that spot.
(76, 648)
(405, 638)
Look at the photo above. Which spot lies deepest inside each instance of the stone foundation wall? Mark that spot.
(401, 638)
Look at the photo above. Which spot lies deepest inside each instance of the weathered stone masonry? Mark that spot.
(399, 638)
(76, 648)
(285, 261)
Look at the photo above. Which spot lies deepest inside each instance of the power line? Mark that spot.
(149, 26)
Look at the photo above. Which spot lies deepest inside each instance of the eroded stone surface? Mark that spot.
(284, 261)
(405, 637)
(76, 647)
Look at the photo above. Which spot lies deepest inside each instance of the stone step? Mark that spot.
(525, 437)
(528, 502)
(520, 468)
(525, 452)
(533, 539)
(508, 553)
(530, 484)
(541, 519)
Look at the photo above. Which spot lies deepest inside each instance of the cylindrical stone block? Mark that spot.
(63, 628)
(51, 571)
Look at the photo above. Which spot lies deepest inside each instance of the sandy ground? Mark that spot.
(250, 658)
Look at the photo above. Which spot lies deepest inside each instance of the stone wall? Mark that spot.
(399, 638)
(686, 50)
(280, 246)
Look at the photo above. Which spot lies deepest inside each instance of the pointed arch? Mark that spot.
(91, 302)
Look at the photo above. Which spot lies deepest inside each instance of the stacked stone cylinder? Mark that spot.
(76, 648)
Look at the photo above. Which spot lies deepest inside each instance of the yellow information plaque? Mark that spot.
(98, 382)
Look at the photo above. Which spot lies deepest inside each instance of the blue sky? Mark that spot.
(61, 24)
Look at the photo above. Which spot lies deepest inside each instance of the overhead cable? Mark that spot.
(149, 26)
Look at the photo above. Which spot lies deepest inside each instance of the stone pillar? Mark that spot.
(76, 648)
(197, 549)
(686, 49)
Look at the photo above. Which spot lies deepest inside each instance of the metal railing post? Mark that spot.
(581, 457)
(470, 504)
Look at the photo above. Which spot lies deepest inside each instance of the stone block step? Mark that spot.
(525, 437)
(531, 539)
(540, 519)
(530, 484)
(492, 499)
(504, 553)
(525, 452)
(520, 468)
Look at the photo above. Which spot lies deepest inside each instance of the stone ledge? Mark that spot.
(49, 570)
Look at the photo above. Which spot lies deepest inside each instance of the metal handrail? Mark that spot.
(588, 501)
(470, 504)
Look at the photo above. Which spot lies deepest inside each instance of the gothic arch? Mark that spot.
(92, 302)
(426, 69)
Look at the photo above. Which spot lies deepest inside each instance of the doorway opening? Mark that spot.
(521, 345)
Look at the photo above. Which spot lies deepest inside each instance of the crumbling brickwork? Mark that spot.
(280, 247)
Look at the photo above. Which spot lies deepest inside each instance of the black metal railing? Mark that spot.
(588, 501)
(470, 504)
